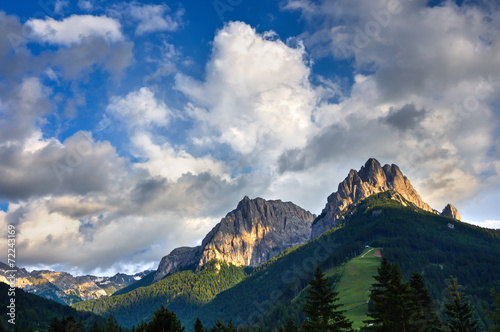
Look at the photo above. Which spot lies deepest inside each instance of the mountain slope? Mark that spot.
(251, 234)
(417, 240)
(371, 179)
(39, 312)
(185, 290)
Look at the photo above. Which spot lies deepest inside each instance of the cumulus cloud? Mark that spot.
(256, 93)
(140, 108)
(74, 29)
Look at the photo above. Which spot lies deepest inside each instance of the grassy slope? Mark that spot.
(354, 286)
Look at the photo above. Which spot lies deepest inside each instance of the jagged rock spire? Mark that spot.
(452, 212)
(371, 179)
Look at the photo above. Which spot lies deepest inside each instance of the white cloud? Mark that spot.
(74, 29)
(153, 18)
(140, 108)
(495, 224)
(256, 95)
(168, 162)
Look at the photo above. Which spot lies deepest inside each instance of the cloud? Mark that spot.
(256, 95)
(74, 29)
(153, 18)
(407, 117)
(85, 5)
(139, 109)
(48, 167)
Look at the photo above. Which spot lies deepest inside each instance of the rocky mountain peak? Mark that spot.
(371, 179)
(451, 211)
(251, 234)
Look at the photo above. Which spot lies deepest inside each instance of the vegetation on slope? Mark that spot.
(36, 312)
(183, 291)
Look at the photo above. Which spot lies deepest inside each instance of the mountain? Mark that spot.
(271, 293)
(62, 287)
(376, 206)
(251, 234)
(371, 179)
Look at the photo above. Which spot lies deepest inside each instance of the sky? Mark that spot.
(128, 129)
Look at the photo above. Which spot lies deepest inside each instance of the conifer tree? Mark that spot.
(290, 326)
(458, 312)
(112, 325)
(321, 308)
(424, 317)
(390, 299)
(164, 320)
(495, 315)
(379, 297)
(198, 326)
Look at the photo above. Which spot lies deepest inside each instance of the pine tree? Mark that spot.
(290, 326)
(198, 326)
(424, 317)
(390, 299)
(495, 315)
(321, 308)
(164, 320)
(379, 297)
(458, 312)
(112, 325)
(96, 327)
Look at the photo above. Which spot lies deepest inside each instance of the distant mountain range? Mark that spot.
(253, 266)
(62, 287)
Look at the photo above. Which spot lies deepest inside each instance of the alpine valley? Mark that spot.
(253, 267)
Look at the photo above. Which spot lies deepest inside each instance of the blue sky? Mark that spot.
(130, 128)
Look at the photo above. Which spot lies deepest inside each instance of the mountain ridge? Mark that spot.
(66, 289)
(371, 179)
(255, 231)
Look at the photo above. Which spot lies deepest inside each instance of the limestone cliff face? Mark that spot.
(371, 179)
(450, 211)
(254, 232)
(178, 259)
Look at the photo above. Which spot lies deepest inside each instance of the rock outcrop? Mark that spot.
(256, 231)
(371, 179)
(452, 212)
(253, 233)
(177, 260)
